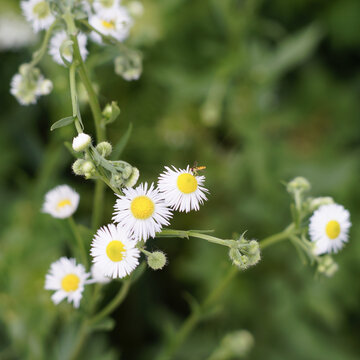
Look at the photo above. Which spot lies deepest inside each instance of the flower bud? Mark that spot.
(131, 181)
(116, 180)
(88, 167)
(104, 148)
(314, 204)
(77, 167)
(81, 142)
(298, 184)
(136, 8)
(45, 87)
(127, 171)
(156, 260)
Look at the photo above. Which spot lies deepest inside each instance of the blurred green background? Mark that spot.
(259, 92)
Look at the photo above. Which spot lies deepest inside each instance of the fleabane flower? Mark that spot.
(114, 252)
(106, 7)
(97, 275)
(117, 24)
(61, 202)
(329, 227)
(142, 211)
(67, 279)
(38, 13)
(58, 40)
(28, 85)
(182, 189)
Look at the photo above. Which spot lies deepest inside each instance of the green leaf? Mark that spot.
(120, 146)
(106, 324)
(62, 122)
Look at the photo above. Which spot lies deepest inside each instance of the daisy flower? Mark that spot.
(61, 202)
(38, 13)
(67, 279)
(97, 275)
(182, 190)
(58, 39)
(329, 227)
(142, 212)
(114, 253)
(106, 7)
(117, 24)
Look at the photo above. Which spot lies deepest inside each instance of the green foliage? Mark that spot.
(259, 92)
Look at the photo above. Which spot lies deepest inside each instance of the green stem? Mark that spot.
(82, 334)
(113, 304)
(283, 235)
(195, 317)
(79, 241)
(43, 48)
(98, 205)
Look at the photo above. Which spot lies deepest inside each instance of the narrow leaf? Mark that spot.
(120, 146)
(62, 122)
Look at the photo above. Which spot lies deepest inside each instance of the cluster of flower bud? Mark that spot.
(327, 265)
(244, 253)
(299, 184)
(29, 84)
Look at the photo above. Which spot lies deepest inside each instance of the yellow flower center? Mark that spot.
(108, 24)
(187, 183)
(332, 229)
(41, 9)
(115, 250)
(142, 207)
(63, 203)
(70, 282)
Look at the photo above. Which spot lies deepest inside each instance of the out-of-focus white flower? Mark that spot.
(116, 24)
(106, 7)
(98, 276)
(67, 279)
(61, 202)
(28, 85)
(38, 13)
(56, 42)
(14, 32)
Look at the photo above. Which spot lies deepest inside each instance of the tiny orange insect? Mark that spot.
(197, 168)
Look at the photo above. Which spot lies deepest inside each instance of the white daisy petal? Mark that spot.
(38, 13)
(116, 23)
(67, 279)
(114, 253)
(142, 212)
(182, 190)
(329, 227)
(61, 202)
(58, 39)
(97, 275)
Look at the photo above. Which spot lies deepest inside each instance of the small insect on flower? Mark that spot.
(114, 252)
(67, 279)
(142, 211)
(329, 227)
(182, 188)
(58, 40)
(61, 202)
(38, 13)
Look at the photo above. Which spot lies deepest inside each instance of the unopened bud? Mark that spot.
(317, 202)
(131, 181)
(104, 148)
(156, 260)
(298, 184)
(77, 167)
(88, 167)
(127, 171)
(81, 142)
